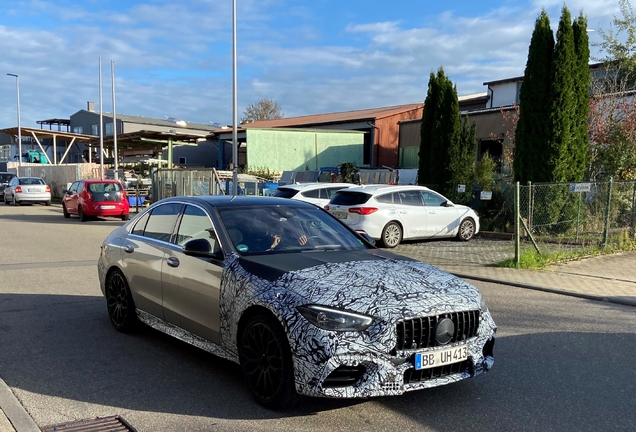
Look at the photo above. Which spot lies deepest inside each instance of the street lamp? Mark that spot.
(234, 106)
(17, 86)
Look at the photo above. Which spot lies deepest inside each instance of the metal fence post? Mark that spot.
(517, 217)
(633, 221)
(607, 212)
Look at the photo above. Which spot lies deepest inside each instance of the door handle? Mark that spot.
(431, 212)
(173, 262)
(129, 249)
(403, 212)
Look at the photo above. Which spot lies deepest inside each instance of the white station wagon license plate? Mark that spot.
(341, 215)
(107, 207)
(33, 190)
(441, 357)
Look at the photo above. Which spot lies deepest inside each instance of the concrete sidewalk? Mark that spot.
(609, 278)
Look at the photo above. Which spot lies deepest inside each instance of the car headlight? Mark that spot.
(482, 304)
(334, 319)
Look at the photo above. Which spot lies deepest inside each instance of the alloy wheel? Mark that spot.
(118, 300)
(262, 360)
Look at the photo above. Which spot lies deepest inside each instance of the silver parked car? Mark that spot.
(304, 304)
(27, 189)
(5, 178)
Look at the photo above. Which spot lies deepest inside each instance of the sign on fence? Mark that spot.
(485, 195)
(461, 188)
(580, 187)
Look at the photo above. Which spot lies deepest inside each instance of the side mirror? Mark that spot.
(201, 248)
(65, 191)
(447, 204)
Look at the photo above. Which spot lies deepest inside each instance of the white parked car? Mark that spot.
(393, 213)
(315, 193)
(27, 189)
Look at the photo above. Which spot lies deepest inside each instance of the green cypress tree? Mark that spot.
(559, 158)
(462, 159)
(582, 93)
(532, 133)
(440, 132)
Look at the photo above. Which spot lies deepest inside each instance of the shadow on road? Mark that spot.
(55, 216)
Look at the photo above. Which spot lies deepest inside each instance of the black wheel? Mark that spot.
(81, 214)
(66, 213)
(466, 230)
(125, 217)
(121, 308)
(391, 235)
(267, 364)
(47, 203)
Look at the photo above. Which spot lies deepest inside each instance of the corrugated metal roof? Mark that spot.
(339, 117)
(156, 122)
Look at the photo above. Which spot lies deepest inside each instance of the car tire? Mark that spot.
(119, 301)
(15, 202)
(80, 213)
(47, 203)
(66, 213)
(391, 235)
(125, 217)
(266, 363)
(466, 230)
(5, 200)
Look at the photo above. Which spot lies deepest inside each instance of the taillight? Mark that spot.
(87, 196)
(327, 207)
(18, 189)
(363, 210)
(48, 189)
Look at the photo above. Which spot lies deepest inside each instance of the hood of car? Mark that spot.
(374, 282)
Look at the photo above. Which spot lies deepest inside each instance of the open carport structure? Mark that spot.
(46, 139)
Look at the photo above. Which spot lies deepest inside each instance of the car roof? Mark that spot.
(377, 189)
(238, 201)
(101, 181)
(318, 185)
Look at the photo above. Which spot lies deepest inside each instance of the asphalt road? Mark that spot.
(562, 363)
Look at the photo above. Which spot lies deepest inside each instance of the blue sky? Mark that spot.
(174, 58)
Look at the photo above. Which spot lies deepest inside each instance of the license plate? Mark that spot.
(341, 215)
(32, 190)
(107, 207)
(441, 357)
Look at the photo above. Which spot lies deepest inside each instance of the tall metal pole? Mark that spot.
(101, 124)
(234, 106)
(17, 87)
(112, 74)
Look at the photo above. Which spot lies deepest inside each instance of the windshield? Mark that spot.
(285, 229)
(5, 178)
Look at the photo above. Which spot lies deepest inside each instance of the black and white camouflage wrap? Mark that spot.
(389, 290)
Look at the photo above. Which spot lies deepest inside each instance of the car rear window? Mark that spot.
(350, 198)
(285, 193)
(31, 181)
(4, 178)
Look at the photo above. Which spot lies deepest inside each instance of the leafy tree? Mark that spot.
(532, 132)
(264, 109)
(440, 132)
(620, 44)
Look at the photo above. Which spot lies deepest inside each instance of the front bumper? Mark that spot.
(376, 374)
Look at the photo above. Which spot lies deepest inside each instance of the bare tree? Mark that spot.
(264, 109)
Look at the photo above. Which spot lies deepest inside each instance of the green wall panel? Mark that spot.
(296, 150)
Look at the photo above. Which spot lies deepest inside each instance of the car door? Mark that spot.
(144, 256)
(70, 199)
(410, 209)
(192, 285)
(8, 192)
(442, 220)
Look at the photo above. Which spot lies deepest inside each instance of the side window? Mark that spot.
(75, 187)
(195, 224)
(140, 226)
(311, 193)
(410, 198)
(332, 191)
(432, 199)
(162, 221)
(386, 198)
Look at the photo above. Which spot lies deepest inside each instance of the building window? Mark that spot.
(78, 129)
(108, 129)
(94, 130)
(5, 153)
(182, 161)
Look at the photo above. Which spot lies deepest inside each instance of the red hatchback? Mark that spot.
(90, 198)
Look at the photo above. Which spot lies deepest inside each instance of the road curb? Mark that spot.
(15, 412)
(616, 300)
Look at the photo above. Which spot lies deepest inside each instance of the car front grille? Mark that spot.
(415, 376)
(419, 333)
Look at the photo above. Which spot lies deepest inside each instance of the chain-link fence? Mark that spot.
(577, 215)
(178, 182)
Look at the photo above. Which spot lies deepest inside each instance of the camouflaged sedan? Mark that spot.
(304, 304)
